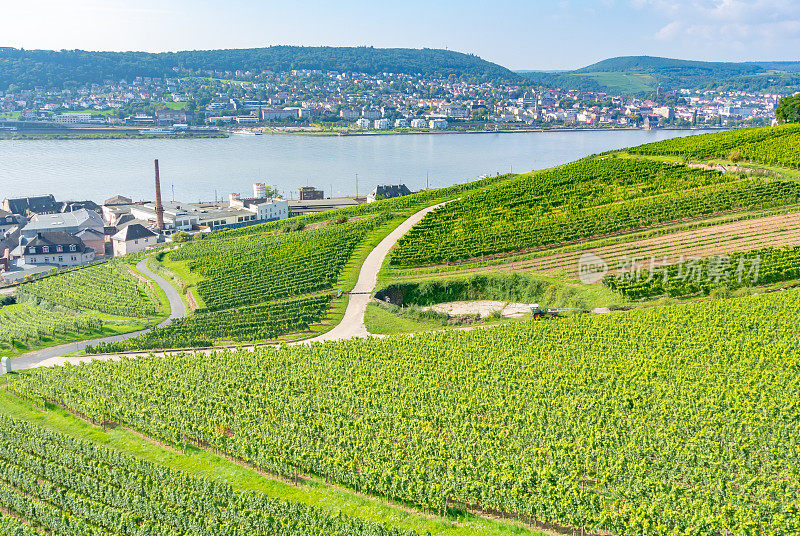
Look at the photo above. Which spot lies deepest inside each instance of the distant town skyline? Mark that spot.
(518, 34)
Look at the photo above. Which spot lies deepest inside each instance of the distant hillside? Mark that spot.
(644, 74)
(49, 68)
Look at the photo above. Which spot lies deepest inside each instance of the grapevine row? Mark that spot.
(74, 488)
(670, 420)
(245, 324)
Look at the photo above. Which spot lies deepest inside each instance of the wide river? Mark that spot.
(197, 169)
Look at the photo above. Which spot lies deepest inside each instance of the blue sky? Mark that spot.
(519, 34)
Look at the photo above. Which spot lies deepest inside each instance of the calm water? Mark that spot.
(98, 169)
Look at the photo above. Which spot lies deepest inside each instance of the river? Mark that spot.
(199, 169)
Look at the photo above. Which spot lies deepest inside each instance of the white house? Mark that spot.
(54, 248)
(382, 124)
(419, 123)
(363, 123)
(133, 238)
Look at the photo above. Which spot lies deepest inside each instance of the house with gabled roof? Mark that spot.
(52, 248)
(134, 237)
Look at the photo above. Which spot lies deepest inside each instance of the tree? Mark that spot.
(788, 110)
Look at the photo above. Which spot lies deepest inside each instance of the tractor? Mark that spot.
(538, 313)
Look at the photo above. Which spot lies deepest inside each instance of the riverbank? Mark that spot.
(106, 136)
(303, 131)
(22, 130)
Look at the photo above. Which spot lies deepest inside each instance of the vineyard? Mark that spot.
(245, 324)
(589, 198)
(25, 324)
(669, 420)
(257, 267)
(699, 276)
(109, 288)
(777, 146)
(64, 487)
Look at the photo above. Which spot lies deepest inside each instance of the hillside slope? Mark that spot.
(644, 74)
(50, 68)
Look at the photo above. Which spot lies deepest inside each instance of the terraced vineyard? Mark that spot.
(670, 420)
(704, 241)
(258, 267)
(699, 276)
(590, 198)
(108, 287)
(25, 324)
(779, 146)
(53, 484)
(251, 323)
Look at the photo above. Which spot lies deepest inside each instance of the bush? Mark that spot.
(181, 236)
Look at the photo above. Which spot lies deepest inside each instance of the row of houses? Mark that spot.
(385, 124)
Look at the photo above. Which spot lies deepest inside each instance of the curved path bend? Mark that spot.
(55, 354)
(351, 325)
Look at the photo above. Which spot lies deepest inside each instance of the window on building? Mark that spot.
(72, 247)
(135, 241)
(60, 258)
(45, 249)
(59, 249)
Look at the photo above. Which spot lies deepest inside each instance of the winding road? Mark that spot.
(55, 354)
(351, 326)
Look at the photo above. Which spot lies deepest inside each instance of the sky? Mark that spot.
(519, 34)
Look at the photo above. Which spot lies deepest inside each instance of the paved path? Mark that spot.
(352, 324)
(55, 354)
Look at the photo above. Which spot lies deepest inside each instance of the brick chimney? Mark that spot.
(159, 205)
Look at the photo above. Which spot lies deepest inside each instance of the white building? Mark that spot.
(419, 123)
(72, 119)
(133, 238)
(401, 123)
(246, 119)
(437, 124)
(382, 124)
(52, 249)
(363, 123)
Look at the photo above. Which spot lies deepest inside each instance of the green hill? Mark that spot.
(644, 74)
(50, 68)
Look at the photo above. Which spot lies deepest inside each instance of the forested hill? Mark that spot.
(49, 68)
(643, 74)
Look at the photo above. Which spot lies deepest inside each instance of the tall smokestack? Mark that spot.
(159, 206)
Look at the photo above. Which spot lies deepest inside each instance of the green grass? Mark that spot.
(156, 266)
(381, 321)
(176, 105)
(186, 276)
(200, 463)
